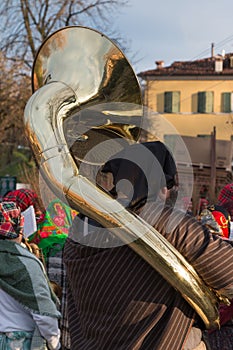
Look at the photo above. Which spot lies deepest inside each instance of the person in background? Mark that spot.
(116, 300)
(50, 237)
(187, 205)
(217, 219)
(52, 230)
(24, 198)
(29, 317)
(202, 205)
(222, 338)
(225, 199)
(34, 248)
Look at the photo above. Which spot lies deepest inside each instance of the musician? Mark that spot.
(116, 300)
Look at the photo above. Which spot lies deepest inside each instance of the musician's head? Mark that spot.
(141, 173)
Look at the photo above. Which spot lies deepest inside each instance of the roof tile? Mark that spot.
(205, 66)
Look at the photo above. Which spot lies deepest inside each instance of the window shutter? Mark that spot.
(172, 101)
(201, 102)
(205, 102)
(227, 102)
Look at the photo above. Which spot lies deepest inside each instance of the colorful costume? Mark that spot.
(28, 312)
(53, 230)
(51, 236)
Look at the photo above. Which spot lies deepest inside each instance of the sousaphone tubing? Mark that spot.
(86, 106)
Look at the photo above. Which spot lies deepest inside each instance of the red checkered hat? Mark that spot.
(11, 221)
(226, 195)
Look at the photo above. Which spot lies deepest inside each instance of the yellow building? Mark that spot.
(193, 101)
(194, 96)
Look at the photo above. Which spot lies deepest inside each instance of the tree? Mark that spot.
(14, 93)
(25, 24)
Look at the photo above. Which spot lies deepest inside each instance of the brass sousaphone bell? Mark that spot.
(85, 94)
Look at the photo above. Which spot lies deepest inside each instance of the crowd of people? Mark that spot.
(46, 244)
(68, 285)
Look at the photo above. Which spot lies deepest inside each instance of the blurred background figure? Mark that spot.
(24, 198)
(202, 205)
(29, 316)
(187, 205)
(50, 237)
(52, 231)
(36, 251)
(52, 223)
(225, 199)
(217, 219)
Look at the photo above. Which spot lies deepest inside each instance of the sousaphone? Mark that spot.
(85, 95)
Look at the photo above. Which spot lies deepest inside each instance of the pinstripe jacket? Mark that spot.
(116, 301)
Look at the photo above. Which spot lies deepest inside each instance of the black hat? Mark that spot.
(145, 167)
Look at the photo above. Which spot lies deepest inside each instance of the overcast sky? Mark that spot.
(173, 30)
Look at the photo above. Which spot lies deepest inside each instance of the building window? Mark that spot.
(172, 101)
(227, 102)
(205, 102)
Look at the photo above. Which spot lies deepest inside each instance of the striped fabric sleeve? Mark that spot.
(209, 254)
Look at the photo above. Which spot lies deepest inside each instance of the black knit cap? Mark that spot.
(147, 166)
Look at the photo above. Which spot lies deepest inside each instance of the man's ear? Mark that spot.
(163, 193)
(105, 180)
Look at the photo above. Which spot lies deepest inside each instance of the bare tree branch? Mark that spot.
(24, 25)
